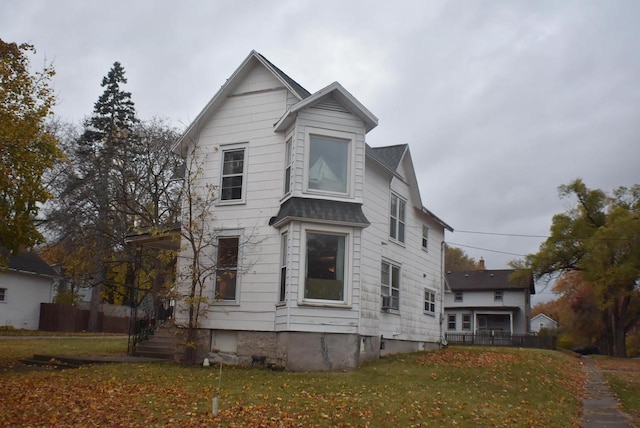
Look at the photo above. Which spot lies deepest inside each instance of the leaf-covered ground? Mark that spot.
(623, 376)
(453, 387)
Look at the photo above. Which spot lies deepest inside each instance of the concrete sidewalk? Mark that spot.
(600, 407)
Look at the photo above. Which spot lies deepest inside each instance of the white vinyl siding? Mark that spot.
(429, 301)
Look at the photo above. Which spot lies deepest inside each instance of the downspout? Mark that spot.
(443, 245)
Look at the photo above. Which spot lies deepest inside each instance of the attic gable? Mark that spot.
(231, 86)
(333, 97)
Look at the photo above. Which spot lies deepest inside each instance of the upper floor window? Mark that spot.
(227, 268)
(325, 267)
(233, 177)
(425, 237)
(328, 168)
(397, 218)
(3, 294)
(457, 296)
(429, 301)
(497, 296)
(287, 172)
(390, 285)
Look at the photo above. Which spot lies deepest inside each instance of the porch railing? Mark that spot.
(501, 338)
(141, 327)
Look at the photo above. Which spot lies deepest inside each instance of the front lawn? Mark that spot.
(466, 387)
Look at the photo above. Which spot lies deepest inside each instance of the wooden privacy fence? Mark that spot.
(502, 339)
(66, 317)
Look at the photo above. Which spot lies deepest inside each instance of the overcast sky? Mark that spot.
(500, 101)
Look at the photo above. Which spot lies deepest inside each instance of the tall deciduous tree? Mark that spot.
(600, 239)
(456, 259)
(27, 150)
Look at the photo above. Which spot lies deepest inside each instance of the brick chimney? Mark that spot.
(481, 264)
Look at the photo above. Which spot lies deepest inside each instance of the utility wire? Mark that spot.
(485, 249)
(520, 235)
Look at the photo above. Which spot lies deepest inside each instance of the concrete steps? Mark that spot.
(161, 344)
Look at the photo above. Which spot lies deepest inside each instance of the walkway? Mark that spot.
(600, 407)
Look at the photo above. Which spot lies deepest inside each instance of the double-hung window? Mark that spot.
(425, 238)
(233, 177)
(466, 321)
(3, 295)
(497, 296)
(451, 322)
(325, 266)
(429, 301)
(390, 284)
(226, 286)
(328, 169)
(287, 171)
(457, 296)
(397, 218)
(283, 266)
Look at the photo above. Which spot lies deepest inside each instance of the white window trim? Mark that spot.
(348, 264)
(425, 237)
(435, 301)
(463, 327)
(320, 132)
(498, 296)
(245, 167)
(228, 233)
(4, 295)
(397, 220)
(455, 299)
(288, 164)
(392, 264)
(284, 264)
(455, 322)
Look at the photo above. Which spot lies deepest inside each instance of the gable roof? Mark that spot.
(390, 158)
(541, 315)
(30, 262)
(325, 211)
(341, 95)
(484, 280)
(254, 58)
(387, 156)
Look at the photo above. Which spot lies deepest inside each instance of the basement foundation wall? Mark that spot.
(303, 351)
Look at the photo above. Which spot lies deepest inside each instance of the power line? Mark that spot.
(520, 235)
(485, 249)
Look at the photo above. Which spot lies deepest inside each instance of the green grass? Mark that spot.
(12, 350)
(623, 376)
(466, 387)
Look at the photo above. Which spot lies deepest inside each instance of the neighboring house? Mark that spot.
(327, 257)
(542, 321)
(487, 301)
(26, 283)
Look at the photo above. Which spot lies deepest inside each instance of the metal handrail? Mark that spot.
(141, 328)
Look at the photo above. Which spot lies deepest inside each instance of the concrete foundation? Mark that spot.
(303, 351)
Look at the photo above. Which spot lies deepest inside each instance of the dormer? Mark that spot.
(325, 145)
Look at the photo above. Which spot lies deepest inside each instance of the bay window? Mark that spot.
(325, 266)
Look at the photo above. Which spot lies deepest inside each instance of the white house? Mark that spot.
(26, 283)
(542, 321)
(326, 256)
(487, 301)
